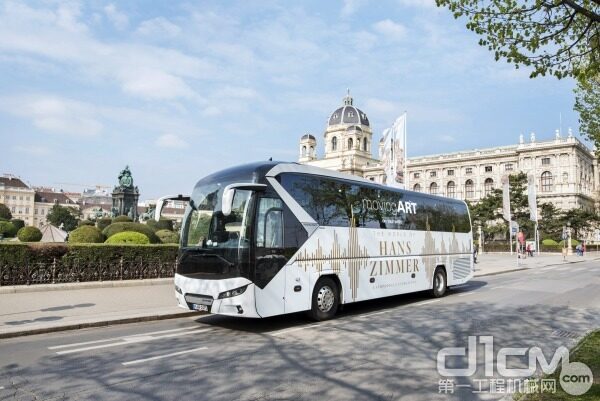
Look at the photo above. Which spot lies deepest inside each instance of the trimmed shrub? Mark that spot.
(128, 237)
(162, 224)
(29, 234)
(86, 235)
(574, 243)
(5, 213)
(115, 228)
(122, 219)
(549, 242)
(7, 229)
(85, 223)
(103, 223)
(18, 223)
(167, 237)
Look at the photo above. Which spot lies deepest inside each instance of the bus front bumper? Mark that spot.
(194, 294)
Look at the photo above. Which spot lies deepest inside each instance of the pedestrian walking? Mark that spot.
(475, 252)
(583, 248)
(529, 252)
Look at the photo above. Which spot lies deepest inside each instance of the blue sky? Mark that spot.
(178, 90)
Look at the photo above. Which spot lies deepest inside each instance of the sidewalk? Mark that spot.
(39, 309)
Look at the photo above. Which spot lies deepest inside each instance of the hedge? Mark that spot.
(167, 237)
(103, 223)
(122, 219)
(18, 223)
(85, 223)
(7, 229)
(162, 224)
(128, 237)
(86, 235)
(128, 226)
(29, 234)
(550, 242)
(48, 263)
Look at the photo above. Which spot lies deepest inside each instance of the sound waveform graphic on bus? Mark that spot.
(350, 255)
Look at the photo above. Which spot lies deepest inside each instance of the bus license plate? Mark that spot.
(200, 307)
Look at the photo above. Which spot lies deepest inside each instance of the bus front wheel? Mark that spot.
(440, 284)
(325, 299)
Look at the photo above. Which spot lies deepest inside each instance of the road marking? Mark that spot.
(285, 331)
(429, 302)
(1, 387)
(118, 338)
(163, 356)
(131, 340)
(465, 294)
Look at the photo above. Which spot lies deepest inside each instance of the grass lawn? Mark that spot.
(588, 352)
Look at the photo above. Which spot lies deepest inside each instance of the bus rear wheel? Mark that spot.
(439, 283)
(325, 299)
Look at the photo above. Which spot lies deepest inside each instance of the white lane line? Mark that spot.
(162, 356)
(118, 338)
(465, 294)
(130, 340)
(280, 332)
(1, 387)
(429, 302)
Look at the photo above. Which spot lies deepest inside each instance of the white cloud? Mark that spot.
(117, 18)
(390, 29)
(54, 114)
(351, 6)
(211, 111)
(32, 150)
(170, 141)
(418, 3)
(159, 27)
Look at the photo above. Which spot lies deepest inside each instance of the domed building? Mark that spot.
(348, 140)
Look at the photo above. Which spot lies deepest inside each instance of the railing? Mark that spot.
(75, 270)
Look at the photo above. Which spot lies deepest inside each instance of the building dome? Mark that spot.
(308, 136)
(348, 114)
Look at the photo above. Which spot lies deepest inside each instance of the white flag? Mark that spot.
(393, 154)
(532, 198)
(506, 198)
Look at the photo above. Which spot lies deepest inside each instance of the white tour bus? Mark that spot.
(269, 238)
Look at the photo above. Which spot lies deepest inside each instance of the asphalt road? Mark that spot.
(377, 350)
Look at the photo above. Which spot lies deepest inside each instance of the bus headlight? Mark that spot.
(233, 293)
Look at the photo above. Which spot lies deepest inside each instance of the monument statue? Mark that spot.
(125, 196)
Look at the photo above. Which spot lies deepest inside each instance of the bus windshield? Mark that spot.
(207, 227)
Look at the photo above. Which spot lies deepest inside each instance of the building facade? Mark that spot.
(18, 197)
(565, 170)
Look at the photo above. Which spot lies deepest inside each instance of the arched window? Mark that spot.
(451, 190)
(365, 144)
(334, 143)
(469, 189)
(488, 186)
(417, 188)
(312, 151)
(303, 151)
(546, 181)
(350, 143)
(433, 188)
(565, 178)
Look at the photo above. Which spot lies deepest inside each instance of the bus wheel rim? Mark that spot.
(325, 298)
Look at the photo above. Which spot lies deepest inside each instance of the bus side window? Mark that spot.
(269, 227)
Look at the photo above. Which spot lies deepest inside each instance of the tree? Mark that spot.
(63, 215)
(5, 212)
(550, 222)
(587, 104)
(554, 37)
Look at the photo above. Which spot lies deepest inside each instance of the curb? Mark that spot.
(105, 323)
(17, 289)
(502, 272)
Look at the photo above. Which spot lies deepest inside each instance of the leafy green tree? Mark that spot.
(5, 212)
(587, 104)
(550, 222)
(580, 220)
(7, 229)
(554, 37)
(63, 215)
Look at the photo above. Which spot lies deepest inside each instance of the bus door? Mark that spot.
(269, 257)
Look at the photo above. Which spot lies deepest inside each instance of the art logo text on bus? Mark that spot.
(394, 208)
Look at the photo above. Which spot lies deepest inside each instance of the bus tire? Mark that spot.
(440, 283)
(325, 299)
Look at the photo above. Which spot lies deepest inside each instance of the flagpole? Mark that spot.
(405, 153)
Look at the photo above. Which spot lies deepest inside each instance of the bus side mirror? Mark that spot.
(229, 194)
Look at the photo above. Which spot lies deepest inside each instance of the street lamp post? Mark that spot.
(569, 248)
